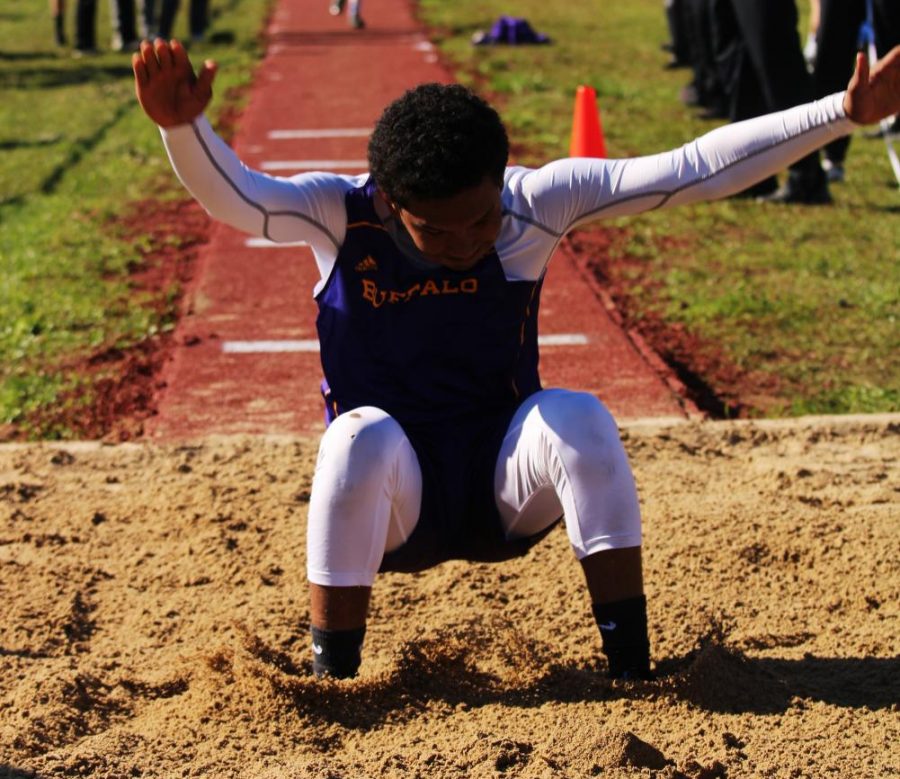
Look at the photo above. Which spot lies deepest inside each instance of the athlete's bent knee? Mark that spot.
(582, 424)
(357, 447)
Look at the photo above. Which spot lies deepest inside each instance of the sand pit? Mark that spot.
(155, 621)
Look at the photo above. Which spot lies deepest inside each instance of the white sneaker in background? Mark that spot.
(834, 171)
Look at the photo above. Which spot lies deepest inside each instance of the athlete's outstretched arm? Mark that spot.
(307, 207)
(722, 162)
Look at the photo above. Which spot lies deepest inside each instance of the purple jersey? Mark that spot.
(431, 346)
(449, 354)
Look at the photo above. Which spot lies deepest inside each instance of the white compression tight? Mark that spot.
(561, 455)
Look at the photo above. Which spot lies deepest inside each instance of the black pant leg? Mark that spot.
(127, 21)
(167, 18)
(86, 24)
(728, 50)
(699, 28)
(675, 18)
(887, 25)
(199, 17)
(772, 42)
(837, 38)
(769, 30)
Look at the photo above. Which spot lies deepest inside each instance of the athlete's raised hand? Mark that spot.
(166, 86)
(874, 94)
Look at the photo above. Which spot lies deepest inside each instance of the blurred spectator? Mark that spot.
(85, 28)
(838, 41)
(198, 18)
(678, 36)
(124, 32)
(768, 73)
(58, 12)
(812, 34)
(353, 13)
(700, 20)
(147, 19)
(124, 37)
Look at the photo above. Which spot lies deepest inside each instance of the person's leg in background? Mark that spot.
(199, 19)
(678, 40)
(85, 27)
(705, 90)
(167, 12)
(147, 19)
(58, 14)
(124, 28)
(887, 35)
(769, 31)
(838, 36)
(354, 11)
(562, 456)
(354, 14)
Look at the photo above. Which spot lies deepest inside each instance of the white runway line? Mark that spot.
(265, 243)
(563, 339)
(275, 347)
(315, 165)
(336, 132)
(269, 347)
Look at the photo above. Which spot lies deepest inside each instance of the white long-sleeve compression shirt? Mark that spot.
(539, 204)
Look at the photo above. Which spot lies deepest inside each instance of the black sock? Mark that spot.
(623, 630)
(337, 653)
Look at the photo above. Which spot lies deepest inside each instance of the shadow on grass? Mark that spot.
(82, 147)
(13, 56)
(50, 77)
(23, 144)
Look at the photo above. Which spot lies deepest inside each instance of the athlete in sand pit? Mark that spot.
(442, 443)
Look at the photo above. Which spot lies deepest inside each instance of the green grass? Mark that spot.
(77, 152)
(810, 296)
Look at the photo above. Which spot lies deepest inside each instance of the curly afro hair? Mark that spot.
(436, 141)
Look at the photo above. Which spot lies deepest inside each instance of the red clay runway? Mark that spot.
(318, 90)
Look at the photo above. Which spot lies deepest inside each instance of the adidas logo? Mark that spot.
(366, 264)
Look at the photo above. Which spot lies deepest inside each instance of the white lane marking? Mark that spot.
(563, 339)
(260, 347)
(336, 132)
(315, 165)
(274, 347)
(265, 243)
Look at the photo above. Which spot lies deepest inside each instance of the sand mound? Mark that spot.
(156, 622)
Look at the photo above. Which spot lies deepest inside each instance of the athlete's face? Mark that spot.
(456, 231)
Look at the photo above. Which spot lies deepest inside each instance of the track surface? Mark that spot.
(319, 88)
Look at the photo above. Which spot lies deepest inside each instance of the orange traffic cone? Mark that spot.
(587, 131)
